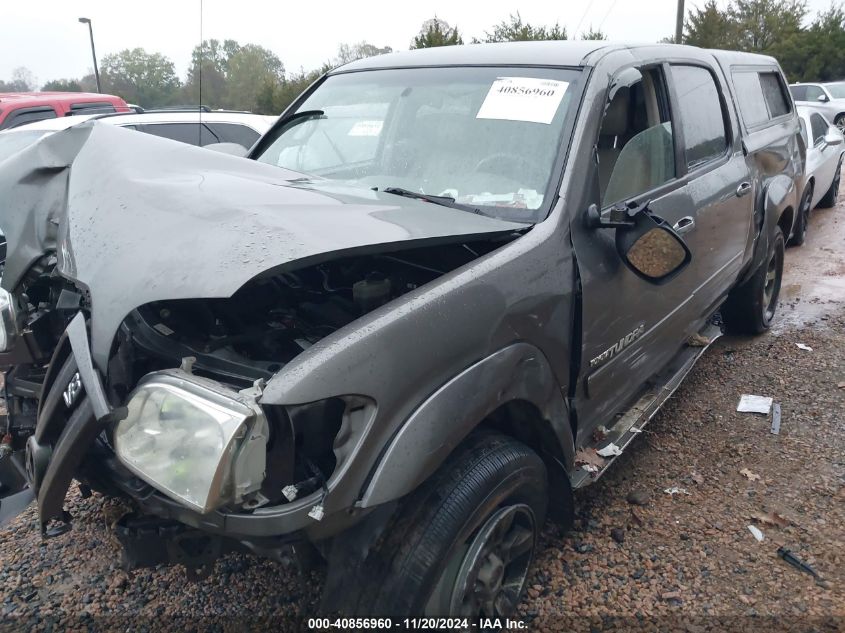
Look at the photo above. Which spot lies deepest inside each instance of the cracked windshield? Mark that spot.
(486, 138)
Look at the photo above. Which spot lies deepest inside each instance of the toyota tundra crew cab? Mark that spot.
(387, 341)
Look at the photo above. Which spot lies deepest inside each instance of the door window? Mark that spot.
(814, 92)
(636, 149)
(799, 93)
(23, 116)
(234, 133)
(191, 133)
(749, 93)
(701, 113)
(818, 127)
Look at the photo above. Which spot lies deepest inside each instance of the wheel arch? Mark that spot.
(513, 390)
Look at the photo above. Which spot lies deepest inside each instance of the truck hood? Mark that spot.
(135, 218)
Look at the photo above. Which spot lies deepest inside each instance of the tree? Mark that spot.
(350, 52)
(210, 61)
(816, 53)
(148, 79)
(62, 85)
(593, 34)
(708, 27)
(251, 71)
(22, 81)
(757, 25)
(515, 30)
(437, 32)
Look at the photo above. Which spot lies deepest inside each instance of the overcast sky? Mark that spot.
(46, 37)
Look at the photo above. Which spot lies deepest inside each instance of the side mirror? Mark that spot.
(652, 250)
(833, 138)
(822, 98)
(233, 149)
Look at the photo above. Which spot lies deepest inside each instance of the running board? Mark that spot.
(629, 425)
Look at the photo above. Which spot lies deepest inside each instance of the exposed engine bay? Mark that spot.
(272, 319)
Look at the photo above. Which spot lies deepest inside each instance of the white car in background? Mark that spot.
(824, 165)
(188, 126)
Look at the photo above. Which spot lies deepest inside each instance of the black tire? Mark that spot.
(751, 306)
(831, 195)
(436, 530)
(839, 122)
(799, 231)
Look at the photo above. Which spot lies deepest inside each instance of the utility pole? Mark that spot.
(93, 53)
(679, 23)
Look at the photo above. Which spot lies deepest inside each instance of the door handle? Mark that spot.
(684, 225)
(743, 189)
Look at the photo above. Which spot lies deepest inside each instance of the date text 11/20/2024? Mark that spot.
(420, 624)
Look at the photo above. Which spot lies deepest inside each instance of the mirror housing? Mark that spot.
(652, 250)
(233, 149)
(822, 98)
(833, 138)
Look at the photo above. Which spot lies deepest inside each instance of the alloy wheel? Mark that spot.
(771, 288)
(494, 567)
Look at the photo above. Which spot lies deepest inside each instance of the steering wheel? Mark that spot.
(506, 164)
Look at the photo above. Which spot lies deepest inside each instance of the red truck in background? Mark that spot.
(18, 108)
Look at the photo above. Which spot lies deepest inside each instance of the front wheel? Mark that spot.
(463, 543)
(751, 306)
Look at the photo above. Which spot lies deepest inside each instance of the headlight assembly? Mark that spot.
(193, 439)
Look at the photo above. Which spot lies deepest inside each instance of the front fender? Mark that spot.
(517, 372)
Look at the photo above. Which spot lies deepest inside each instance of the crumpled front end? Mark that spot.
(156, 293)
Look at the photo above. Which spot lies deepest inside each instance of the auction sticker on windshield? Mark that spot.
(523, 99)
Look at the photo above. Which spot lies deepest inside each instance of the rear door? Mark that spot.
(720, 188)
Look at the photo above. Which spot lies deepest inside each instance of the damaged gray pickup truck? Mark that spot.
(390, 340)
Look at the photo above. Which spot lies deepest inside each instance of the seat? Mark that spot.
(614, 128)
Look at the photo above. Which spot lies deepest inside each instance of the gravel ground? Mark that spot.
(672, 562)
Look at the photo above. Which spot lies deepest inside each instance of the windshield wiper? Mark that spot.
(444, 201)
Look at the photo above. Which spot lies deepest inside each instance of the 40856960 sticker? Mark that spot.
(523, 99)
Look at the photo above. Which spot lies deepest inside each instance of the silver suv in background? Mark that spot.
(828, 98)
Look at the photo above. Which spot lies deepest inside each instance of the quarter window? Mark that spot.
(775, 95)
(701, 114)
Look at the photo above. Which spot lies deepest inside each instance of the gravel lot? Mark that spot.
(681, 562)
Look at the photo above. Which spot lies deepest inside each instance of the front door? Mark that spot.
(631, 327)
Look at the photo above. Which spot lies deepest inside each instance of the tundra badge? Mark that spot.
(617, 347)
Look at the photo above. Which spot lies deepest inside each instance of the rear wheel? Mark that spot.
(463, 543)
(839, 121)
(799, 233)
(751, 306)
(832, 194)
